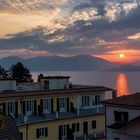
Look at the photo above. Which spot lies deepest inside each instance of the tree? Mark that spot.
(3, 73)
(20, 73)
(39, 77)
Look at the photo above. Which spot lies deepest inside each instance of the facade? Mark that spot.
(123, 118)
(7, 85)
(57, 114)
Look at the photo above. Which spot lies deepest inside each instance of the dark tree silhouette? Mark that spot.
(3, 73)
(20, 73)
(40, 76)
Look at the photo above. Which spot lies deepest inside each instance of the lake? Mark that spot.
(124, 82)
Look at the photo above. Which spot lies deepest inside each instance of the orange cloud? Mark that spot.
(114, 56)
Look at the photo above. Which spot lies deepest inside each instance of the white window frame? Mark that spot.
(47, 105)
(63, 104)
(85, 101)
(41, 132)
(11, 108)
(29, 107)
(64, 131)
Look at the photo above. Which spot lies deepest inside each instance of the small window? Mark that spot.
(41, 132)
(93, 124)
(75, 127)
(120, 116)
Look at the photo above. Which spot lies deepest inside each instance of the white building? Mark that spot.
(7, 85)
(123, 118)
(55, 82)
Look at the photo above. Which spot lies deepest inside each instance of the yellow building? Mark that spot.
(58, 114)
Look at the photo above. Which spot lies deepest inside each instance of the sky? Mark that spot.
(102, 28)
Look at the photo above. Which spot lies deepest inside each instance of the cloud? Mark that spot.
(91, 27)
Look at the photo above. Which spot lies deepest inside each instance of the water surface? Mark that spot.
(125, 83)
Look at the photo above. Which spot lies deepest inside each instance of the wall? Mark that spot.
(53, 131)
(125, 133)
(133, 113)
(57, 83)
(7, 85)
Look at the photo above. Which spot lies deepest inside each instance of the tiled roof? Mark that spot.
(55, 92)
(56, 77)
(127, 100)
(8, 130)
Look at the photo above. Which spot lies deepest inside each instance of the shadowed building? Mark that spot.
(8, 128)
(123, 118)
(56, 113)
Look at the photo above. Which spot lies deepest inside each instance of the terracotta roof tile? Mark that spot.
(54, 92)
(127, 100)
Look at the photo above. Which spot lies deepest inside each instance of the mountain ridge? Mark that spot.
(59, 63)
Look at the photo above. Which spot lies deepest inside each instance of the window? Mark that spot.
(21, 135)
(85, 128)
(63, 104)
(97, 99)
(120, 116)
(75, 127)
(93, 124)
(85, 101)
(47, 105)
(63, 131)
(29, 107)
(41, 132)
(11, 108)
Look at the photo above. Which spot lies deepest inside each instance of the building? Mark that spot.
(123, 117)
(7, 85)
(8, 129)
(58, 114)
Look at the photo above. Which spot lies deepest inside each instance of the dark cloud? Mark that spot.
(82, 36)
(99, 4)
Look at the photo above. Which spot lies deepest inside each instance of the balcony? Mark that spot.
(57, 116)
(94, 136)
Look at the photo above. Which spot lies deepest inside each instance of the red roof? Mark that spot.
(54, 92)
(127, 100)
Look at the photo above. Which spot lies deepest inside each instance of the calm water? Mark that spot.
(125, 83)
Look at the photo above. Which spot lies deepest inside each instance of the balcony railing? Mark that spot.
(94, 136)
(59, 115)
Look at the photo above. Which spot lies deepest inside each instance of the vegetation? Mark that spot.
(40, 76)
(3, 73)
(18, 72)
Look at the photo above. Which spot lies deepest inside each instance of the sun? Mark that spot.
(121, 55)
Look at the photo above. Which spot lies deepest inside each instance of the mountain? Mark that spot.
(57, 63)
(126, 67)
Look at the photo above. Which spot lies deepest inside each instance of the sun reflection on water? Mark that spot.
(122, 84)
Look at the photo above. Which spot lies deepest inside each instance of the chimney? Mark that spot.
(114, 94)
